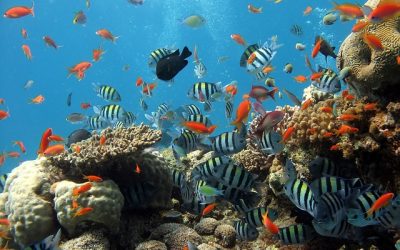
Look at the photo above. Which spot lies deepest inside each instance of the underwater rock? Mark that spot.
(164, 229)
(226, 235)
(104, 198)
(205, 246)
(151, 245)
(254, 161)
(373, 73)
(178, 238)
(206, 226)
(92, 239)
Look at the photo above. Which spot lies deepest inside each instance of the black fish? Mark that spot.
(169, 66)
(326, 49)
(69, 99)
(77, 136)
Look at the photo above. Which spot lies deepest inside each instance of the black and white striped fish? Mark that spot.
(137, 195)
(234, 175)
(300, 193)
(195, 206)
(263, 56)
(248, 51)
(106, 92)
(199, 118)
(200, 196)
(260, 76)
(324, 185)
(244, 231)
(205, 91)
(229, 142)
(271, 142)
(111, 112)
(242, 206)
(157, 55)
(162, 109)
(296, 30)
(177, 177)
(296, 234)
(191, 109)
(129, 119)
(343, 230)
(207, 106)
(187, 192)
(143, 104)
(330, 211)
(390, 219)
(329, 81)
(228, 109)
(206, 170)
(96, 122)
(230, 193)
(255, 216)
(118, 124)
(357, 214)
(321, 166)
(185, 143)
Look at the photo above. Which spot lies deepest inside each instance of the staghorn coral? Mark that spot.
(373, 73)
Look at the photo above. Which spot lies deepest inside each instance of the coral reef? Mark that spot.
(373, 73)
(92, 239)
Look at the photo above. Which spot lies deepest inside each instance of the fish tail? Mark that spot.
(185, 53)
(114, 38)
(32, 9)
(212, 128)
(238, 124)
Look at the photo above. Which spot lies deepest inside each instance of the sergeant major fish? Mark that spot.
(106, 92)
(263, 56)
(329, 81)
(157, 55)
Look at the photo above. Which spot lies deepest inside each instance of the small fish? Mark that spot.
(296, 234)
(370, 107)
(231, 89)
(27, 51)
(85, 105)
(76, 148)
(24, 33)
(77, 136)
(139, 81)
(254, 10)
(244, 231)
(288, 68)
(300, 46)
(261, 93)
(79, 69)
(81, 189)
(126, 67)
(69, 99)
(13, 154)
(300, 78)
(44, 141)
(269, 120)
(325, 48)
(350, 97)
(383, 201)
(292, 97)
(270, 82)
(4, 114)
(137, 169)
(398, 60)
(348, 117)
(267, 69)
(269, 224)
(345, 129)
(296, 30)
(228, 109)
(229, 142)
(111, 112)
(157, 55)
(360, 25)
(384, 10)
(317, 47)
(194, 21)
(74, 204)
(328, 134)
(148, 88)
(143, 104)
(287, 134)
(97, 53)
(79, 18)
(102, 140)
(54, 150)
(37, 100)
(316, 76)
(93, 178)
(76, 118)
(54, 137)
(307, 11)
(136, 2)
(19, 11)
(271, 142)
(373, 41)
(83, 211)
(349, 9)
(199, 127)
(207, 190)
(106, 34)
(171, 214)
(329, 19)
(107, 92)
(28, 84)
(21, 146)
(200, 70)
(326, 109)
(2, 101)
(307, 103)
(242, 114)
(239, 39)
(50, 42)
(208, 209)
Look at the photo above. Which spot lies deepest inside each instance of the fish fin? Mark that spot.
(366, 10)
(96, 109)
(96, 87)
(52, 241)
(32, 9)
(185, 53)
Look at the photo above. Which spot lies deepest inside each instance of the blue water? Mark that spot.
(141, 29)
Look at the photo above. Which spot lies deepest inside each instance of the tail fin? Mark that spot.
(185, 53)
(32, 9)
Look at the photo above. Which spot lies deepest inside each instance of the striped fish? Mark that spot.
(137, 195)
(357, 216)
(301, 195)
(187, 142)
(229, 142)
(244, 231)
(228, 109)
(330, 211)
(249, 50)
(143, 104)
(129, 119)
(187, 192)
(234, 175)
(3, 179)
(96, 122)
(323, 166)
(254, 216)
(162, 109)
(157, 55)
(199, 118)
(296, 234)
(271, 142)
(106, 92)
(343, 230)
(111, 112)
(390, 219)
(200, 196)
(230, 193)
(260, 76)
(118, 124)
(242, 207)
(264, 56)
(331, 185)
(207, 106)
(195, 206)
(191, 109)
(329, 82)
(296, 30)
(206, 170)
(205, 91)
(177, 177)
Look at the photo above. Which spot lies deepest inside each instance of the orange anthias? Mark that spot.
(267, 69)
(79, 70)
(81, 189)
(54, 150)
(316, 48)
(139, 81)
(269, 224)
(242, 113)
(287, 134)
(251, 58)
(93, 178)
(373, 41)
(44, 142)
(199, 127)
(208, 209)
(106, 34)
(307, 11)
(74, 204)
(253, 9)
(102, 140)
(370, 106)
(328, 134)
(384, 10)
(348, 117)
(55, 138)
(4, 114)
(137, 169)
(348, 9)
(83, 211)
(13, 154)
(27, 51)
(19, 11)
(37, 100)
(24, 33)
(85, 105)
(21, 146)
(300, 79)
(238, 39)
(316, 76)
(359, 26)
(326, 109)
(307, 103)
(381, 202)
(345, 129)
(97, 53)
(335, 147)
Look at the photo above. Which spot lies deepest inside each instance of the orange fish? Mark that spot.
(54, 150)
(81, 189)
(50, 42)
(370, 106)
(19, 11)
(13, 154)
(348, 9)
(93, 178)
(208, 209)
(326, 109)
(199, 127)
(269, 224)
(253, 9)
(287, 134)
(2, 158)
(345, 129)
(106, 34)
(242, 113)
(55, 138)
(139, 81)
(74, 204)
(381, 202)
(373, 41)
(231, 89)
(79, 69)
(24, 33)
(85, 105)
(97, 53)
(77, 149)
(44, 142)
(102, 139)
(37, 100)
(359, 26)
(307, 11)
(238, 39)
(384, 10)
(345, 93)
(300, 79)
(148, 88)
(348, 117)
(316, 48)
(307, 103)
(21, 146)
(251, 58)
(316, 76)
(335, 147)
(4, 114)
(350, 97)
(137, 169)
(328, 134)
(398, 60)
(267, 69)
(27, 51)
(4, 222)
(83, 211)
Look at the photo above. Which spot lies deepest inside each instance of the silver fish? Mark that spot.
(200, 70)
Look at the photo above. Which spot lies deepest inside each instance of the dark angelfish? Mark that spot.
(169, 66)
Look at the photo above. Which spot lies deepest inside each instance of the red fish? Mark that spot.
(326, 109)
(316, 76)
(74, 204)
(4, 222)
(335, 147)
(373, 41)
(316, 48)
(2, 158)
(345, 93)
(300, 79)
(19, 11)
(208, 209)
(148, 88)
(328, 134)
(398, 60)
(359, 26)
(102, 140)
(82, 189)
(37, 100)
(242, 113)
(253, 9)
(27, 51)
(348, 9)
(85, 105)
(24, 33)
(55, 138)
(54, 150)
(307, 11)
(44, 142)
(231, 88)
(13, 154)
(370, 106)
(21, 146)
(307, 103)
(139, 81)
(50, 42)
(93, 178)
(79, 70)
(345, 129)
(83, 211)
(384, 10)
(287, 134)
(4, 114)
(269, 224)
(238, 39)
(199, 127)
(381, 202)
(97, 53)
(77, 149)
(137, 169)
(348, 117)
(106, 34)
(350, 97)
